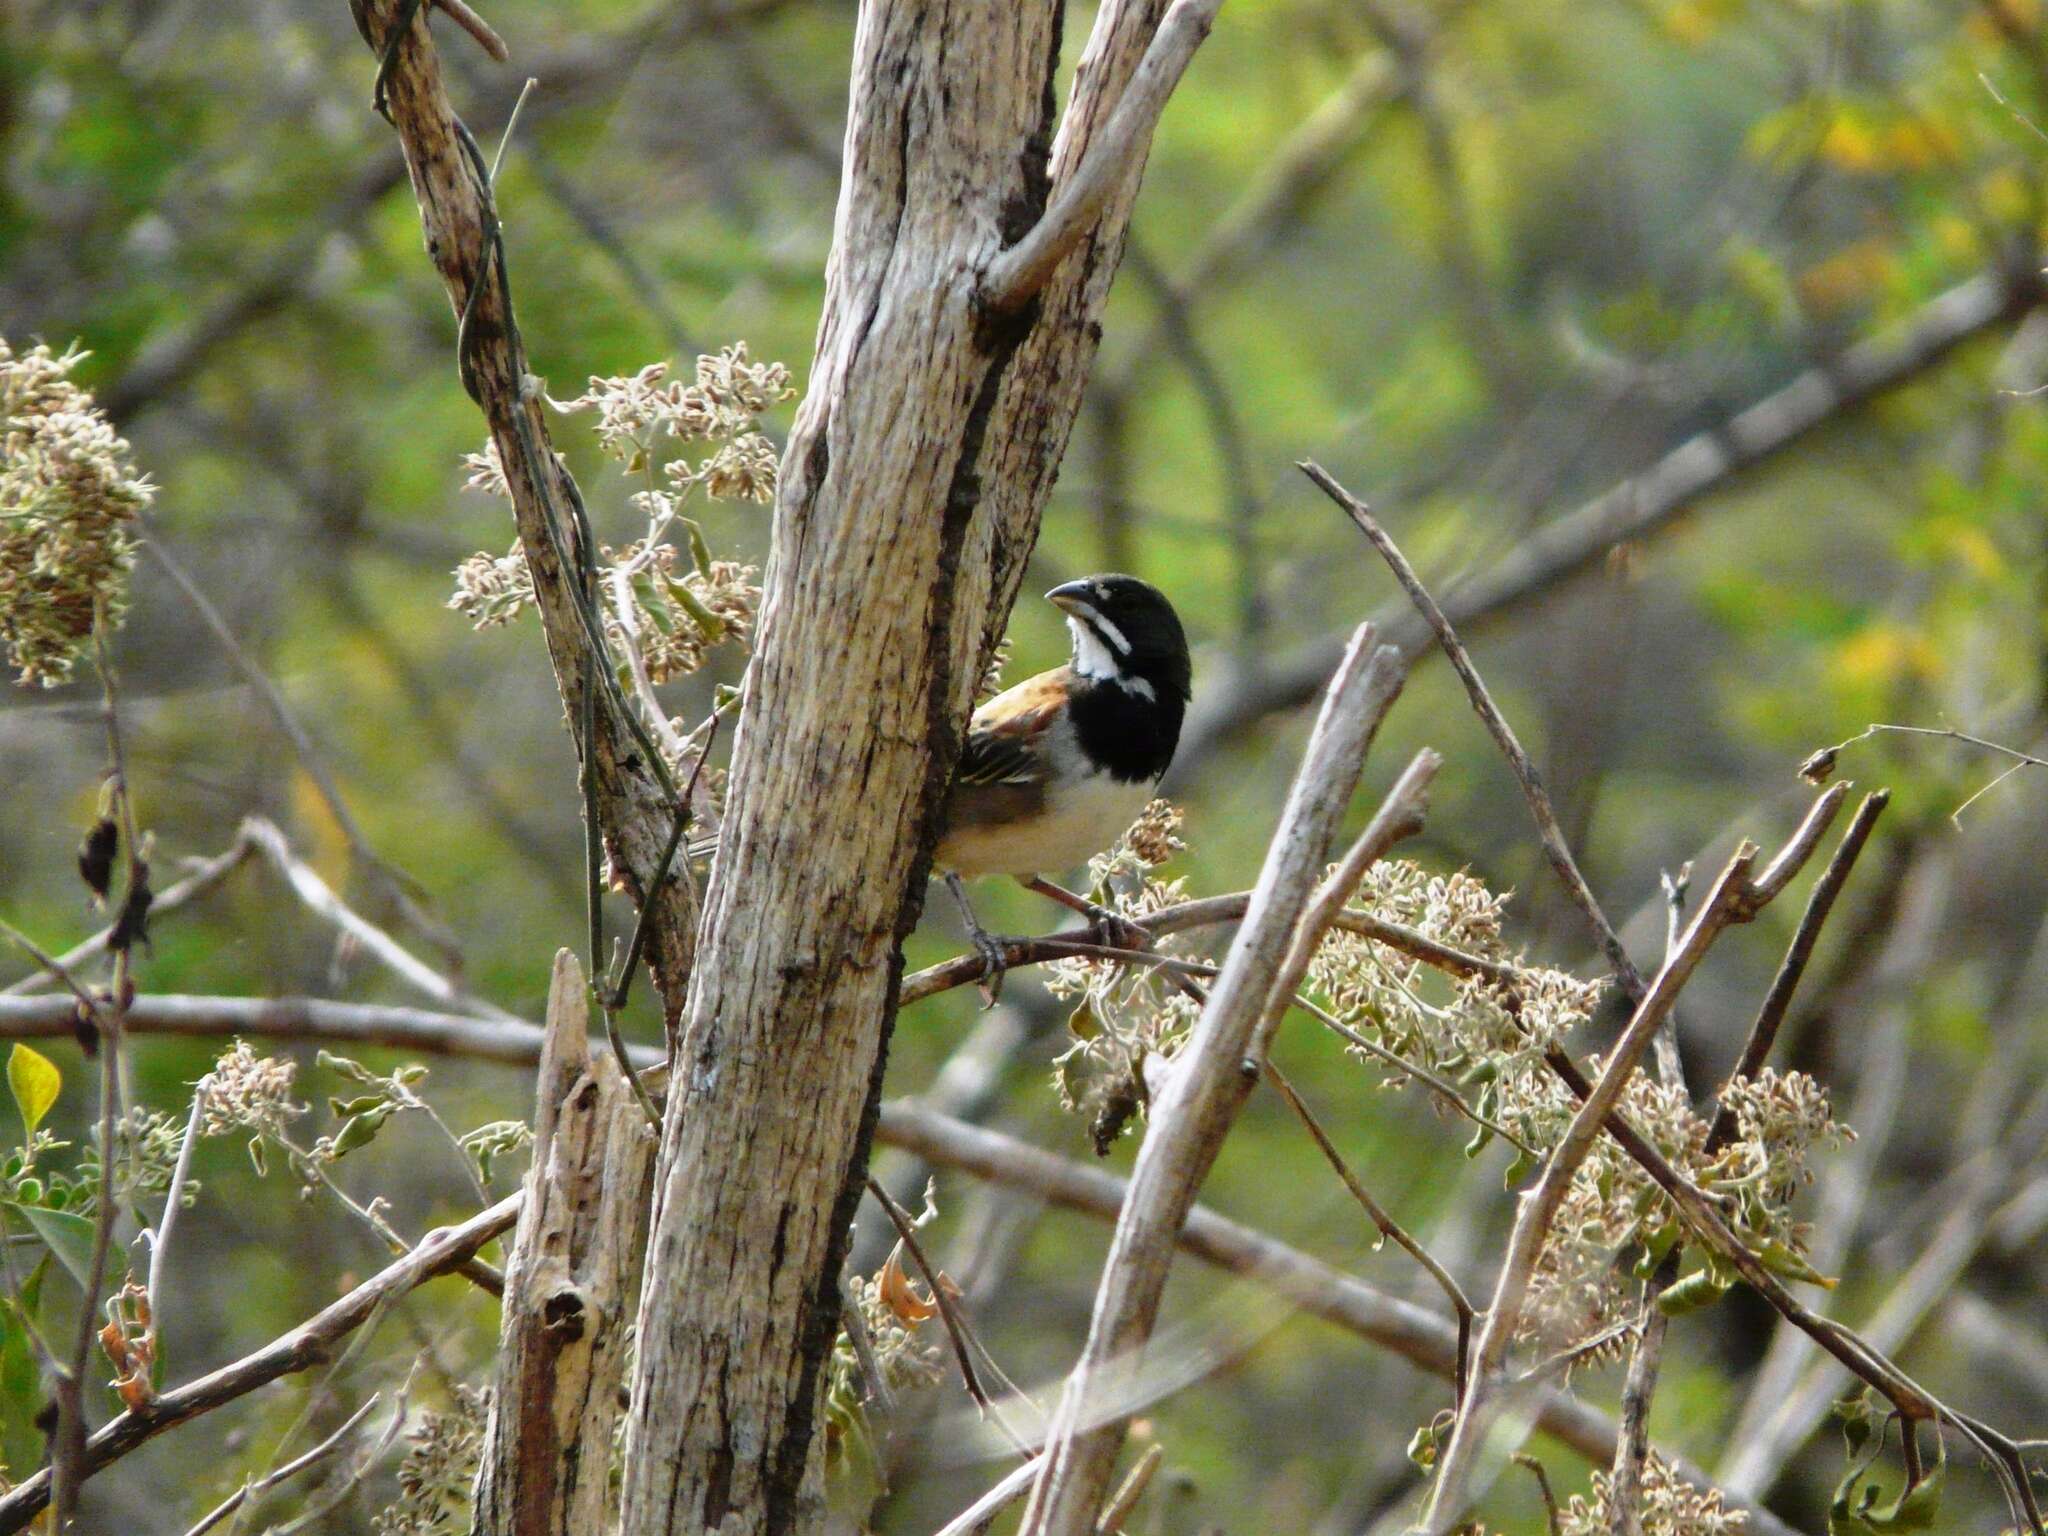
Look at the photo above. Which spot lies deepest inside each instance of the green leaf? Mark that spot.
(35, 1082)
(359, 1131)
(1701, 1288)
(1422, 1447)
(700, 552)
(655, 609)
(69, 1237)
(346, 1067)
(1787, 1264)
(709, 624)
(1855, 1510)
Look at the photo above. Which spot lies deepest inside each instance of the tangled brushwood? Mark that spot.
(1485, 1032)
(69, 497)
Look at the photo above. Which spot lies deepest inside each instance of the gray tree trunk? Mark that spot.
(912, 490)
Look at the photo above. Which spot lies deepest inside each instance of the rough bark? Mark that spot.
(911, 493)
(571, 1284)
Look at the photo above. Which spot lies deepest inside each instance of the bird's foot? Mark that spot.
(995, 963)
(1117, 931)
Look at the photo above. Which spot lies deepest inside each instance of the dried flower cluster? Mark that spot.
(1669, 1506)
(1464, 1027)
(724, 404)
(1124, 1014)
(1612, 1206)
(68, 495)
(247, 1092)
(146, 1145)
(493, 589)
(908, 1359)
(1781, 1120)
(678, 619)
(891, 1315)
(661, 616)
(1490, 1036)
(437, 1477)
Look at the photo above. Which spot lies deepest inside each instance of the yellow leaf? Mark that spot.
(1973, 547)
(1852, 273)
(36, 1082)
(1690, 23)
(1883, 652)
(1850, 144)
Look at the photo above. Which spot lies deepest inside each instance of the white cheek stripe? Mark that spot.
(1110, 632)
(1091, 657)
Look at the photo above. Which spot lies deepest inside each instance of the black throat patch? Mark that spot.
(1123, 732)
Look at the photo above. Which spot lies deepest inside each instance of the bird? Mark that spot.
(1055, 769)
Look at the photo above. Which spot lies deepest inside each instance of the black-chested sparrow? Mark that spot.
(1056, 768)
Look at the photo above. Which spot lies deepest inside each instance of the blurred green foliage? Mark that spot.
(1538, 245)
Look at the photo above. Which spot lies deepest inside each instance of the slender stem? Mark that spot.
(1763, 1033)
(949, 1313)
(1388, 1227)
(292, 1468)
(1555, 849)
(175, 1195)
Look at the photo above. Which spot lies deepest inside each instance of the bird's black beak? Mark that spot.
(1073, 597)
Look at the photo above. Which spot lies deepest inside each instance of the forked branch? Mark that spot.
(1017, 273)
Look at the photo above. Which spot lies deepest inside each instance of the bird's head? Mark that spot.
(1126, 632)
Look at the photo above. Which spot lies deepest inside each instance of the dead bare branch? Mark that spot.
(1112, 161)
(1212, 1076)
(305, 1346)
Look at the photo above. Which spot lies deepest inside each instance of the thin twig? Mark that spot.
(977, 1517)
(486, 38)
(396, 886)
(1555, 849)
(206, 875)
(1822, 763)
(1535, 1469)
(323, 901)
(949, 1314)
(292, 1468)
(1132, 1489)
(1763, 1033)
(1388, 1227)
